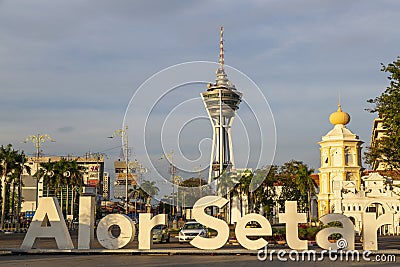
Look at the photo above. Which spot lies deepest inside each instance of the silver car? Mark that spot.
(190, 230)
(160, 234)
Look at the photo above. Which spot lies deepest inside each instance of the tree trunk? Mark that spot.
(72, 203)
(3, 197)
(61, 201)
(66, 203)
(13, 203)
(19, 199)
(309, 205)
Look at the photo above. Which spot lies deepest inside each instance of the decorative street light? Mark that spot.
(123, 133)
(38, 139)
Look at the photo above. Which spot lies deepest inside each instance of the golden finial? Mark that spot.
(339, 106)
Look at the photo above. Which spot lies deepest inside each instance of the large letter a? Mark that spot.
(48, 213)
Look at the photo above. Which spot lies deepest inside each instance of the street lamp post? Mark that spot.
(37, 140)
(123, 133)
(170, 158)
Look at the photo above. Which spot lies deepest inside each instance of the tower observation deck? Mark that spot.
(222, 101)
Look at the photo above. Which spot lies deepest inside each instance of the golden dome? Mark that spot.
(339, 117)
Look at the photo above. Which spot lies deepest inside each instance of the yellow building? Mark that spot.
(340, 161)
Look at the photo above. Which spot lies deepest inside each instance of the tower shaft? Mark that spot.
(221, 101)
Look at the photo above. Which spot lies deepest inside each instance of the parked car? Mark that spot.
(160, 234)
(190, 230)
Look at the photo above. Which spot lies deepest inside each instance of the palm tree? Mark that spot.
(305, 184)
(227, 181)
(62, 174)
(10, 168)
(20, 167)
(150, 188)
(244, 188)
(46, 173)
(297, 184)
(75, 180)
(265, 193)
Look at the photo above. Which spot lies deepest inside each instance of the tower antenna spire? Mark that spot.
(221, 47)
(339, 105)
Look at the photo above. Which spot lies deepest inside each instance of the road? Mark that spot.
(15, 240)
(151, 260)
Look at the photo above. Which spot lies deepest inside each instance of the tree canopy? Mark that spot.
(12, 164)
(386, 150)
(297, 185)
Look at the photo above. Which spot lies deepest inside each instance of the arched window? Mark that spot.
(349, 156)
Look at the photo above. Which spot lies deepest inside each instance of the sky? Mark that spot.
(70, 69)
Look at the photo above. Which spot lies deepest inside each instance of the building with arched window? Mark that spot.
(344, 190)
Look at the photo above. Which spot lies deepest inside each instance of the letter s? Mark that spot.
(219, 225)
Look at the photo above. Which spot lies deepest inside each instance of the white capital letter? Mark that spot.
(219, 225)
(292, 219)
(48, 212)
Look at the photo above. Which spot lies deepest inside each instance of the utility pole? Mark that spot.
(37, 140)
(170, 158)
(123, 133)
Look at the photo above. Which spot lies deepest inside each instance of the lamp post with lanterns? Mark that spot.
(123, 133)
(37, 140)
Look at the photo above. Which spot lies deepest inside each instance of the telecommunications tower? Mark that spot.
(221, 101)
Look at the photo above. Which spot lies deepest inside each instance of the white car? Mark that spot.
(190, 230)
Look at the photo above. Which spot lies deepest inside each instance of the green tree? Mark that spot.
(149, 188)
(11, 167)
(61, 174)
(265, 193)
(386, 150)
(190, 190)
(305, 184)
(244, 187)
(74, 182)
(16, 181)
(193, 182)
(46, 173)
(297, 185)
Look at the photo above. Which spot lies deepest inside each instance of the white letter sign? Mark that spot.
(127, 231)
(48, 212)
(219, 225)
(347, 232)
(242, 232)
(292, 219)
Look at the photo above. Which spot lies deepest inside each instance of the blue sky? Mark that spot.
(69, 68)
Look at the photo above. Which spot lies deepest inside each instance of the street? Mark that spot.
(43, 260)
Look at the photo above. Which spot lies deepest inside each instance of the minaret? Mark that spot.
(221, 101)
(340, 161)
